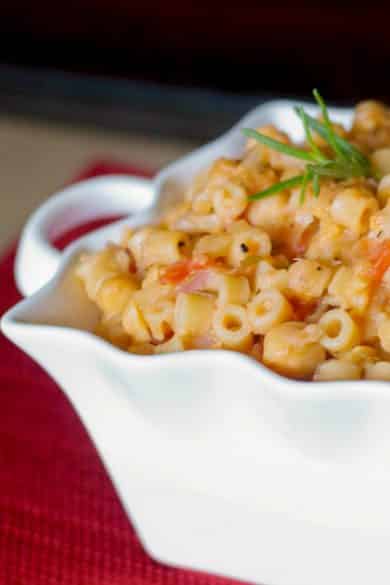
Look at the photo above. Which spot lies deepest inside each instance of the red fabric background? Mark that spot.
(60, 520)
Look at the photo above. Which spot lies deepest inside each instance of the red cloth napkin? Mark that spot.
(60, 520)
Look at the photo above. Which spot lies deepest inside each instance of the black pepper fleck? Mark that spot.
(244, 247)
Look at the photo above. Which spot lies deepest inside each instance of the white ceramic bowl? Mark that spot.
(222, 465)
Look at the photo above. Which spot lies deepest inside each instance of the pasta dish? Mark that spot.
(282, 254)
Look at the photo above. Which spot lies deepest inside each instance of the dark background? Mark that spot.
(248, 50)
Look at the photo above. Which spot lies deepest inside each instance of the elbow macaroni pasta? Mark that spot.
(267, 309)
(302, 287)
(340, 332)
(232, 328)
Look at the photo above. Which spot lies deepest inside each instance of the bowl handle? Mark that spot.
(37, 260)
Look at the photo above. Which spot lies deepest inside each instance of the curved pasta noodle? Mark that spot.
(267, 309)
(249, 242)
(340, 332)
(349, 289)
(352, 209)
(159, 320)
(96, 267)
(134, 324)
(193, 314)
(292, 349)
(269, 214)
(232, 289)
(335, 369)
(114, 294)
(163, 247)
(175, 344)
(231, 327)
(199, 224)
(384, 334)
(308, 279)
(384, 189)
(214, 246)
(267, 276)
(229, 201)
(378, 371)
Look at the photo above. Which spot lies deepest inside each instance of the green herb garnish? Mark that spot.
(347, 161)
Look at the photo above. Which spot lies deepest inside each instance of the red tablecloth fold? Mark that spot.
(60, 520)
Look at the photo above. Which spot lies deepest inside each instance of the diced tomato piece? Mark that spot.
(176, 273)
(301, 309)
(380, 258)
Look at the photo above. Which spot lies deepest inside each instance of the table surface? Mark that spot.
(38, 157)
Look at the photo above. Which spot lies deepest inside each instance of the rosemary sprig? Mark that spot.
(280, 146)
(347, 161)
(288, 184)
